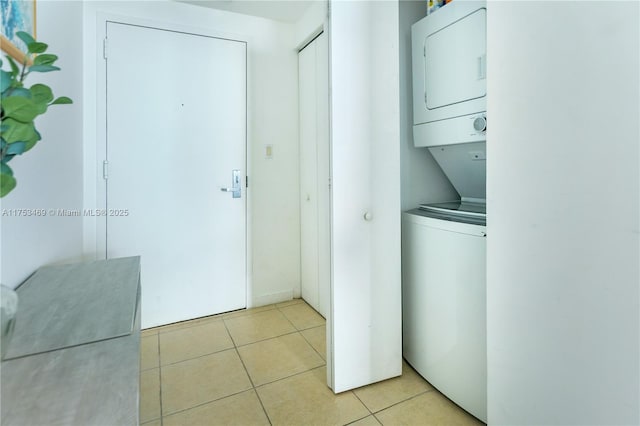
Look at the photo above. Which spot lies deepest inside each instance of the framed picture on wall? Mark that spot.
(17, 15)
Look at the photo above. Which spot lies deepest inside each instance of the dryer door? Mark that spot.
(449, 65)
(455, 62)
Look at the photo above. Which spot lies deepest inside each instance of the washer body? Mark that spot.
(444, 303)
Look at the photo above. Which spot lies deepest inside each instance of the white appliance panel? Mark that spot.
(465, 165)
(444, 307)
(449, 74)
(450, 131)
(455, 60)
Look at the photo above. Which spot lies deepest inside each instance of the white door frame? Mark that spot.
(94, 97)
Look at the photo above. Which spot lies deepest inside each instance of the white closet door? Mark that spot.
(308, 176)
(364, 325)
(314, 174)
(324, 167)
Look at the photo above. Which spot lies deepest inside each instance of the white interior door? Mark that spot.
(313, 68)
(176, 128)
(364, 335)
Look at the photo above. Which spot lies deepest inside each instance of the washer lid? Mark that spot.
(462, 213)
(462, 208)
(466, 167)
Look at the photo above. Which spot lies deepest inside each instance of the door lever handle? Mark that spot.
(236, 190)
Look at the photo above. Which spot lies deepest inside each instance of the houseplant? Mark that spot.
(21, 105)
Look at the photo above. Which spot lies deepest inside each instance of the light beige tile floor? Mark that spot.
(267, 366)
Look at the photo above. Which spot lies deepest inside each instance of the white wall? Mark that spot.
(422, 179)
(563, 213)
(273, 216)
(50, 175)
(311, 23)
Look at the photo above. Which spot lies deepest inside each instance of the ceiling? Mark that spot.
(279, 10)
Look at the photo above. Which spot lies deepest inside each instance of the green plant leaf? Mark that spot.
(16, 148)
(15, 70)
(5, 80)
(19, 108)
(61, 100)
(5, 169)
(30, 144)
(7, 184)
(41, 93)
(37, 47)
(4, 157)
(43, 68)
(19, 91)
(45, 59)
(25, 37)
(16, 131)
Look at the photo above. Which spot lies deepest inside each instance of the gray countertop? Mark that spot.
(95, 383)
(69, 305)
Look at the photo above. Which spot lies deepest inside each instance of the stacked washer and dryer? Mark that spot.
(444, 244)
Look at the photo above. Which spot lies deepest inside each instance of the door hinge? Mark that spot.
(104, 48)
(246, 181)
(105, 170)
(424, 50)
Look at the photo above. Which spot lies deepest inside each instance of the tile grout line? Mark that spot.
(400, 402)
(308, 328)
(222, 397)
(362, 402)
(313, 347)
(377, 419)
(294, 374)
(253, 386)
(287, 318)
(373, 413)
(198, 356)
(288, 377)
(267, 338)
(182, 325)
(309, 306)
(235, 346)
(262, 405)
(357, 420)
(160, 380)
(182, 410)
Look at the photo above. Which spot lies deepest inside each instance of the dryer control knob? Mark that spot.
(480, 124)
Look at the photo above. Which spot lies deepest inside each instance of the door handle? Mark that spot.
(236, 189)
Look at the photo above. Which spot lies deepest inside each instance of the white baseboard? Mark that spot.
(272, 298)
